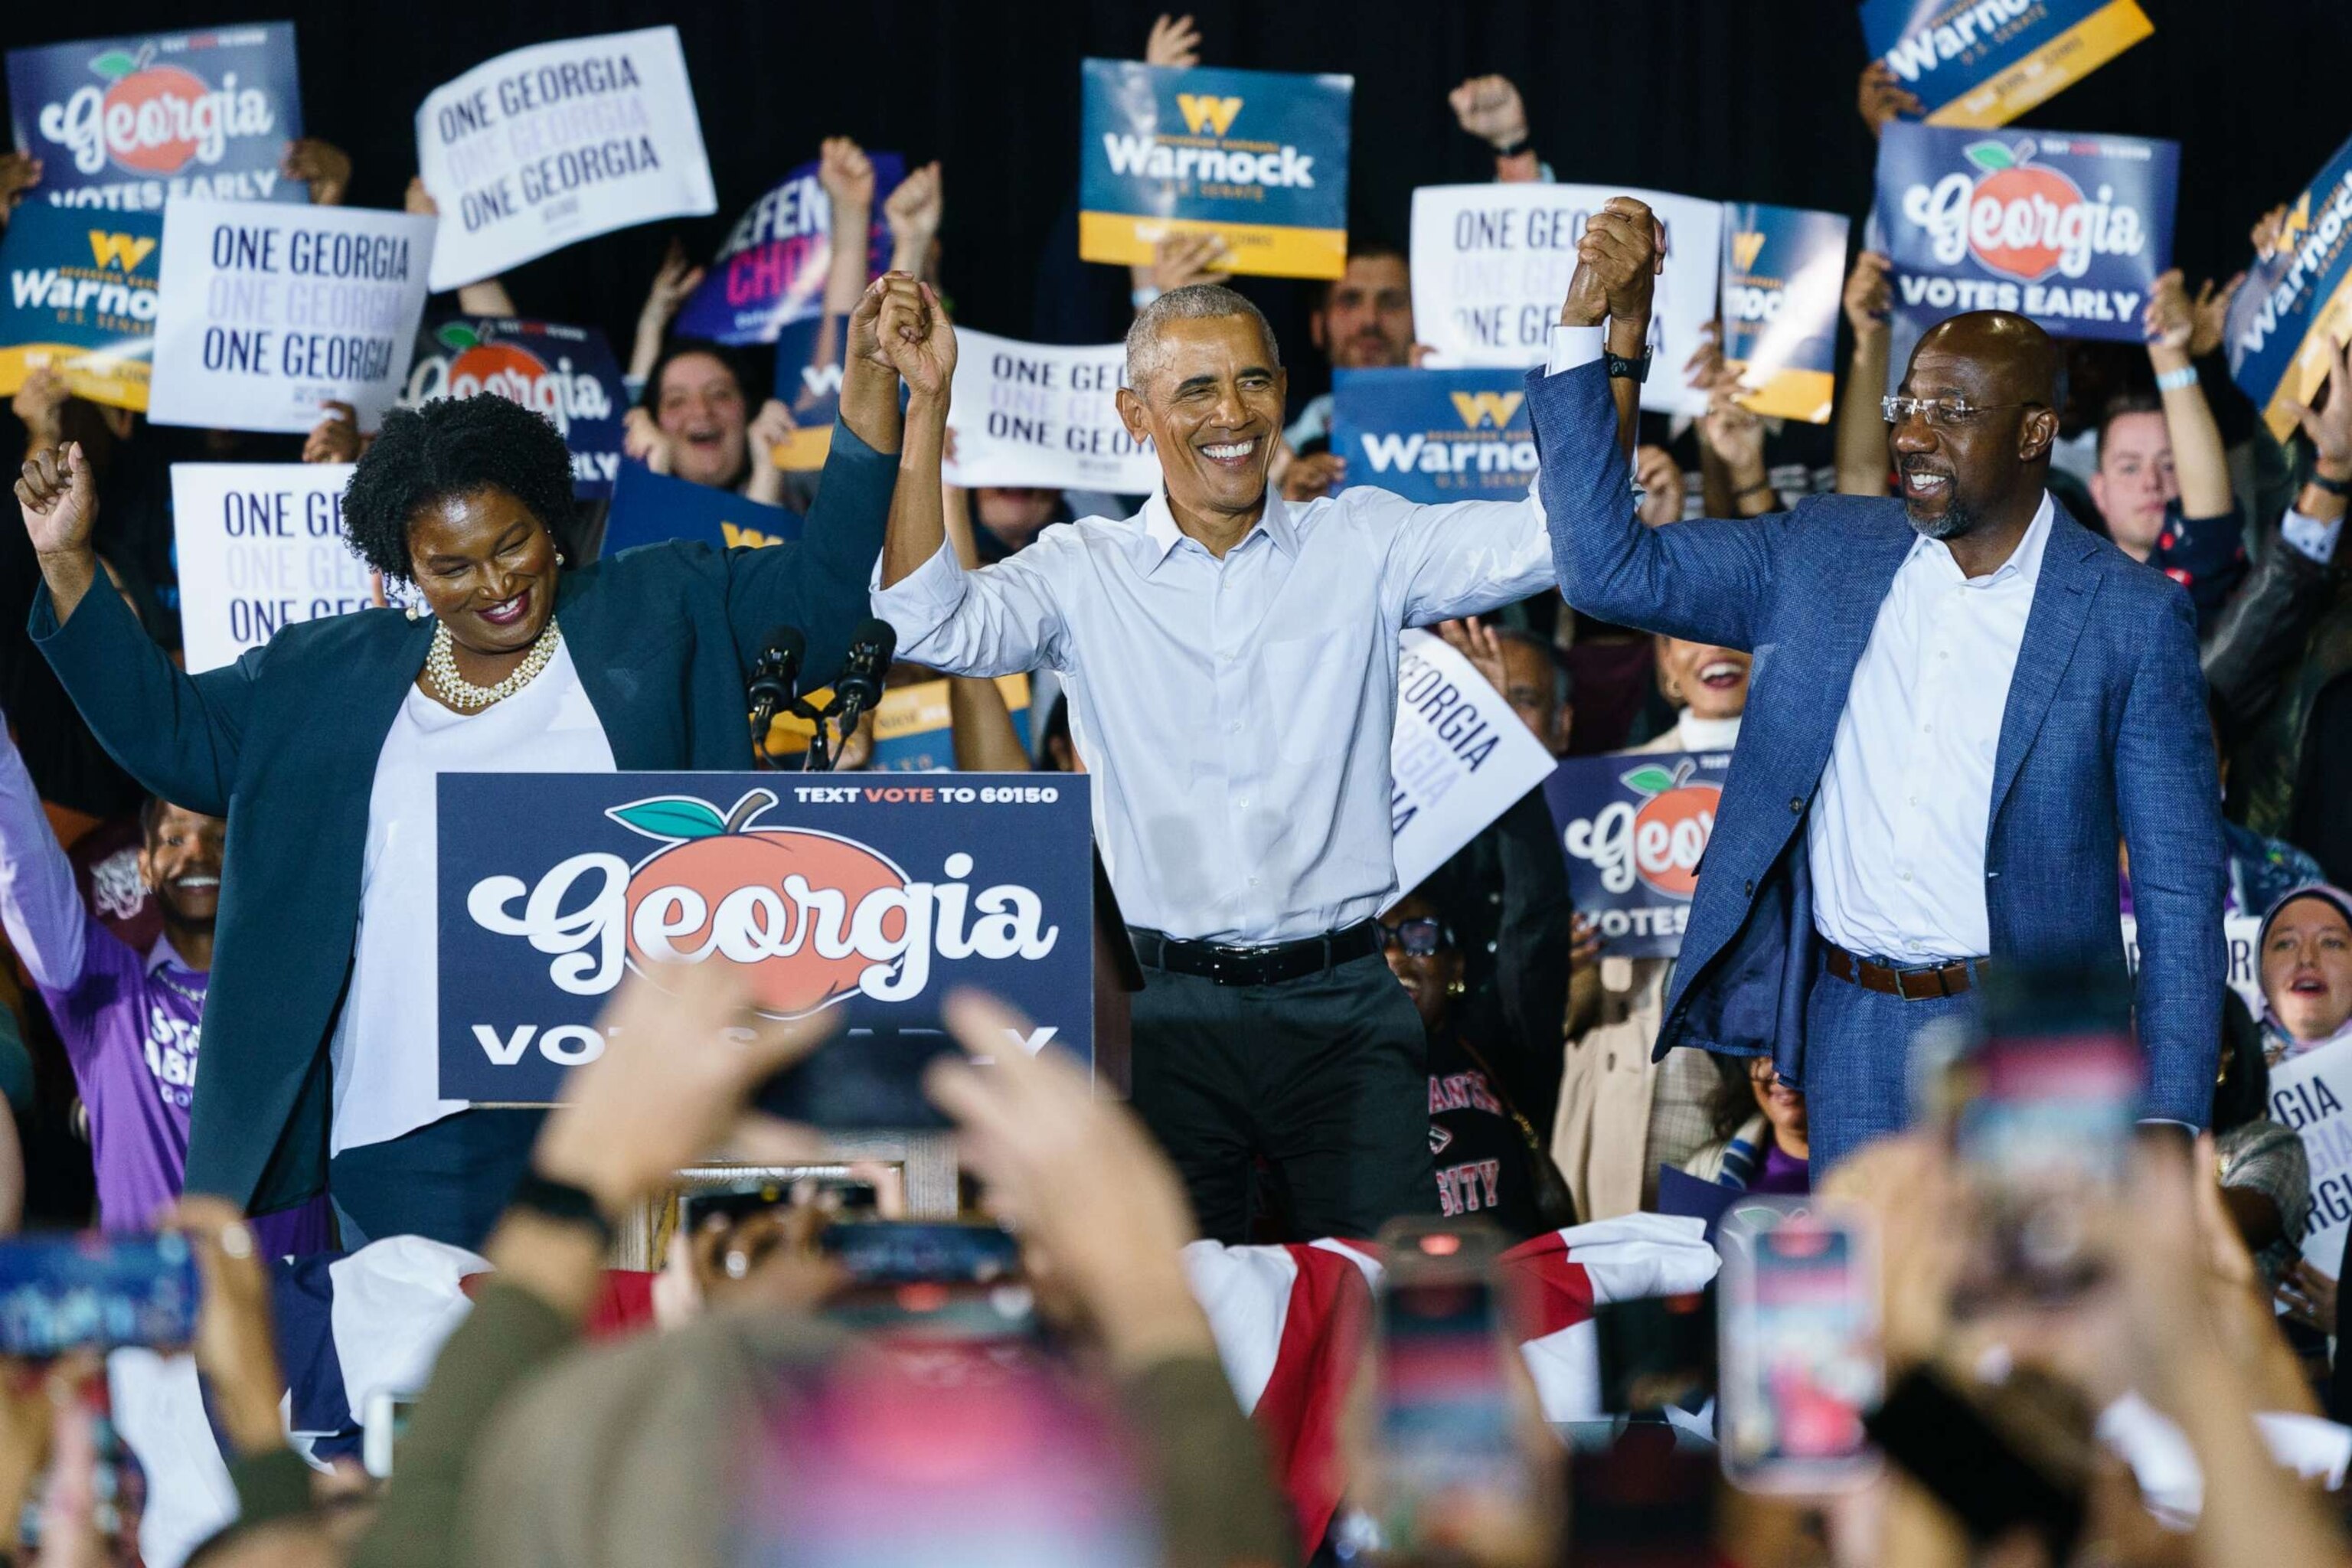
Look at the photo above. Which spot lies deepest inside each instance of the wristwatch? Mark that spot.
(1514, 147)
(563, 1202)
(2333, 487)
(1623, 369)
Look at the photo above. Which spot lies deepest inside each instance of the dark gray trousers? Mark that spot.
(1326, 1075)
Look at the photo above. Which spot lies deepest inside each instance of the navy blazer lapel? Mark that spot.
(2061, 606)
(610, 668)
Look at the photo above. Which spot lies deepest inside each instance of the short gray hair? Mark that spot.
(1193, 302)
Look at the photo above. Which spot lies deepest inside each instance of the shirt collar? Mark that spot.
(1161, 535)
(2024, 562)
(163, 953)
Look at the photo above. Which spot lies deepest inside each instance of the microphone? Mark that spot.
(858, 686)
(774, 677)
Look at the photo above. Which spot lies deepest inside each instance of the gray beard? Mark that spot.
(1957, 519)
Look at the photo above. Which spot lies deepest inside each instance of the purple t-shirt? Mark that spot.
(129, 1023)
(1782, 1171)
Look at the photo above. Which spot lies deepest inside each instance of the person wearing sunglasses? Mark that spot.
(1488, 1158)
(1961, 698)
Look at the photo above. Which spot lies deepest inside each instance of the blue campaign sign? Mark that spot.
(1985, 62)
(2297, 302)
(875, 895)
(1632, 825)
(771, 270)
(1259, 157)
(1435, 435)
(2068, 229)
(566, 374)
(81, 300)
(129, 122)
(1783, 273)
(648, 507)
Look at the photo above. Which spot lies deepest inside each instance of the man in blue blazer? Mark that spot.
(1961, 700)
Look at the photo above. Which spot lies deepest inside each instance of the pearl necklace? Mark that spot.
(441, 670)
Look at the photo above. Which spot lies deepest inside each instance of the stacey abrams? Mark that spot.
(322, 749)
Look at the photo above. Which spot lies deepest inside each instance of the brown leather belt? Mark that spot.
(1911, 985)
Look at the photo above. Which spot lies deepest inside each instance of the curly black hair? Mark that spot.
(451, 447)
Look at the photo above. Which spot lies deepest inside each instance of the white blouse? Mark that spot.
(385, 1051)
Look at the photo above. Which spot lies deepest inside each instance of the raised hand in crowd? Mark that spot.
(674, 281)
(2264, 235)
(1734, 437)
(2211, 315)
(326, 166)
(916, 337)
(1079, 1179)
(336, 438)
(1490, 107)
(234, 1349)
(913, 211)
(2199, 461)
(19, 173)
(39, 405)
(1174, 42)
(2308, 1294)
(769, 429)
(1310, 478)
(1860, 433)
(643, 441)
(1662, 489)
(1476, 641)
(1882, 97)
(2328, 426)
(59, 495)
(1179, 260)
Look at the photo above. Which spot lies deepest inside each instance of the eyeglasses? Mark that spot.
(1419, 938)
(1940, 413)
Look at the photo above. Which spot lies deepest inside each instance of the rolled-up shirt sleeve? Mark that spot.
(2310, 536)
(996, 620)
(40, 908)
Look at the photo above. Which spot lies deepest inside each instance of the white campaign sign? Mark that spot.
(544, 145)
(1461, 757)
(267, 310)
(1040, 413)
(1491, 264)
(2241, 932)
(260, 546)
(2311, 1093)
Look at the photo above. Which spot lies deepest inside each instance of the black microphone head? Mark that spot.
(881, 637)
(787, 641)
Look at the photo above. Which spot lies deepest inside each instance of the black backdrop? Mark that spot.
(1746, 99)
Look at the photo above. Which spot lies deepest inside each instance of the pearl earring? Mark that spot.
(558, 558)
(413, 612)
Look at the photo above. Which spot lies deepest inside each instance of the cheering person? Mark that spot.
(322, 749)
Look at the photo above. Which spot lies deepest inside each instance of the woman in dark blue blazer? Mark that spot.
(321, 748)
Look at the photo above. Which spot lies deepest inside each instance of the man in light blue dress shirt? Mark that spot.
(1231, 665)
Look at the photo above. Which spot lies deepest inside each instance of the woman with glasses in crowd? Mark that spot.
(1488, 1157)
(1760, 1130)
(323, 747)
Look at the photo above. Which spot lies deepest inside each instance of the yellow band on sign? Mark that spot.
(1803, 394)
(92, 373)
(1263, 249)
(905, 710)
(2065, 60)
(804, 450)
(2330, 323)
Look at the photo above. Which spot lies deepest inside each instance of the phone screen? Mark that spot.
(1800, 1349)
(1449, 1419)
(63, 1292)
(2043, 1134)
(865, 1080)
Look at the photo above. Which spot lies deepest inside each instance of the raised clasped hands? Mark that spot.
(915, 336)
(1618, 259)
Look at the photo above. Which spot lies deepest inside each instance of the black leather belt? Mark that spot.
(1231, 963)
(1918, 985)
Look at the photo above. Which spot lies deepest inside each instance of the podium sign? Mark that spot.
(873, 894)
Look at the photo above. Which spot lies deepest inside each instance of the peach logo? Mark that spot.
(504, 368)
(1658, 839)
(2019, 219)
(153, 118)
(816, 917)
